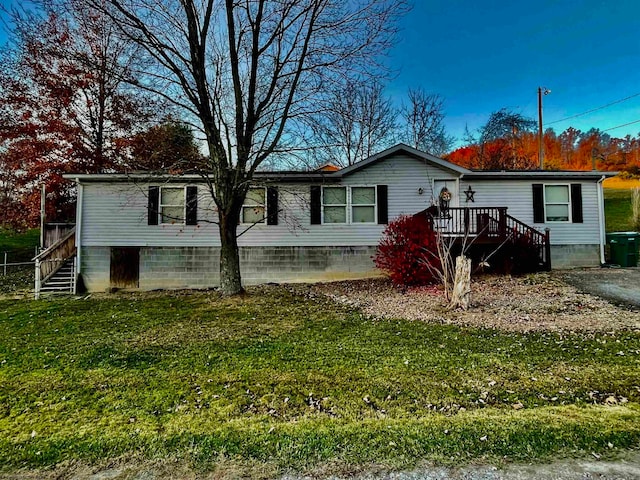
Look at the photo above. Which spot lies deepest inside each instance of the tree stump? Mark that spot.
(461, 294)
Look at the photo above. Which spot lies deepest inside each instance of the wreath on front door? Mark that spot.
(445, 198)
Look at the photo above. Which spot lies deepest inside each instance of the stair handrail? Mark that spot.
(541, 239)
(47, 264)
(526, 228)
(48, 250)
(499, 225)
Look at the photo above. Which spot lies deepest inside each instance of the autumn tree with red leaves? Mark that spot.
(501, 143)
(63, 105)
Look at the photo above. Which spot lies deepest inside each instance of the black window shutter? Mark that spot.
(383, 205)
(576, 203)
(154, 202)
(538, 203)
(272, 206)
(192, 206)
(315, 207)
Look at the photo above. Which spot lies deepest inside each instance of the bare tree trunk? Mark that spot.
(461, 294)
(447, 267)
(230, 280)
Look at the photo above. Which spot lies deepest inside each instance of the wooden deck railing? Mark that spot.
(471, 221)
(54, 232)
(49, 261)
(488, 224)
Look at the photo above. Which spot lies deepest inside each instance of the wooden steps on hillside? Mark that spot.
(62, 281)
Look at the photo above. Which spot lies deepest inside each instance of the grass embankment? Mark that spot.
(19, 244)
(20, 247)
(617, 203)
(285, 381)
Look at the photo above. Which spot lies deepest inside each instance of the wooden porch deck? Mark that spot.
(489, 226)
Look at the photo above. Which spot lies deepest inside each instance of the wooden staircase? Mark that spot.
(63, 280)
(56, 271)
(529, 248)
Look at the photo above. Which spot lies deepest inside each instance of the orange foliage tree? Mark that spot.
(572, 149)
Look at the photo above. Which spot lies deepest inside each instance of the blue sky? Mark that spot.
(483, 55)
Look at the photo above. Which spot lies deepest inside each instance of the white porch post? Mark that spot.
(38, 280)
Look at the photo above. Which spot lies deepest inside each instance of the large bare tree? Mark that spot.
(423, 121)
(359, 121)
(246, 71)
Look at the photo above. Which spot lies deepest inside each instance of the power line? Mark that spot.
(595, 109)
(620, 126)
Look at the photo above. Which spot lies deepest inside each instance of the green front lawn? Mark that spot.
(286, 381)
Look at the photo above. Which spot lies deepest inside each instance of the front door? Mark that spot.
(445, 193)
(445, 196)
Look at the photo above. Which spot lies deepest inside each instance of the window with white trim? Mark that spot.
(557, 203)
(363, 204)
(254, 207)
(334, 205)
(342, 205)
(172, 205)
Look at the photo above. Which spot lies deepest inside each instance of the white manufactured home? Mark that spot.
(149, 232)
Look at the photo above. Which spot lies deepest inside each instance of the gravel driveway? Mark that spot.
(618, 285)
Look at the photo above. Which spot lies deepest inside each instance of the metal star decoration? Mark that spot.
(469, 193)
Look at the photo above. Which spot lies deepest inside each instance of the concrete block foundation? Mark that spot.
(574, 256)
(198, 267)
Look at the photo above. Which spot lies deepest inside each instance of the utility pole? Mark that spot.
(541, 91)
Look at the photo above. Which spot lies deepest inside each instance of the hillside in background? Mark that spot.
(570, 150)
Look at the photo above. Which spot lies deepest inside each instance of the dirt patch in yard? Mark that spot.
(529, 303)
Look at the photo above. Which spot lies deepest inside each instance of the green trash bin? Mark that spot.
(623, 248)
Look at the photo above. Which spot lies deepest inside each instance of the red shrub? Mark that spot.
(407, 244)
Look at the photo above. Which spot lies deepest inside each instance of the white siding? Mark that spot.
(404, 176)
(517, 196)
(116, 214)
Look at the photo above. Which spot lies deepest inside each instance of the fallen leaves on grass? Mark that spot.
(522, 304)
(17, 280)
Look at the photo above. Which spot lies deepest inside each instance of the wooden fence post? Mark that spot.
(5, 264)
